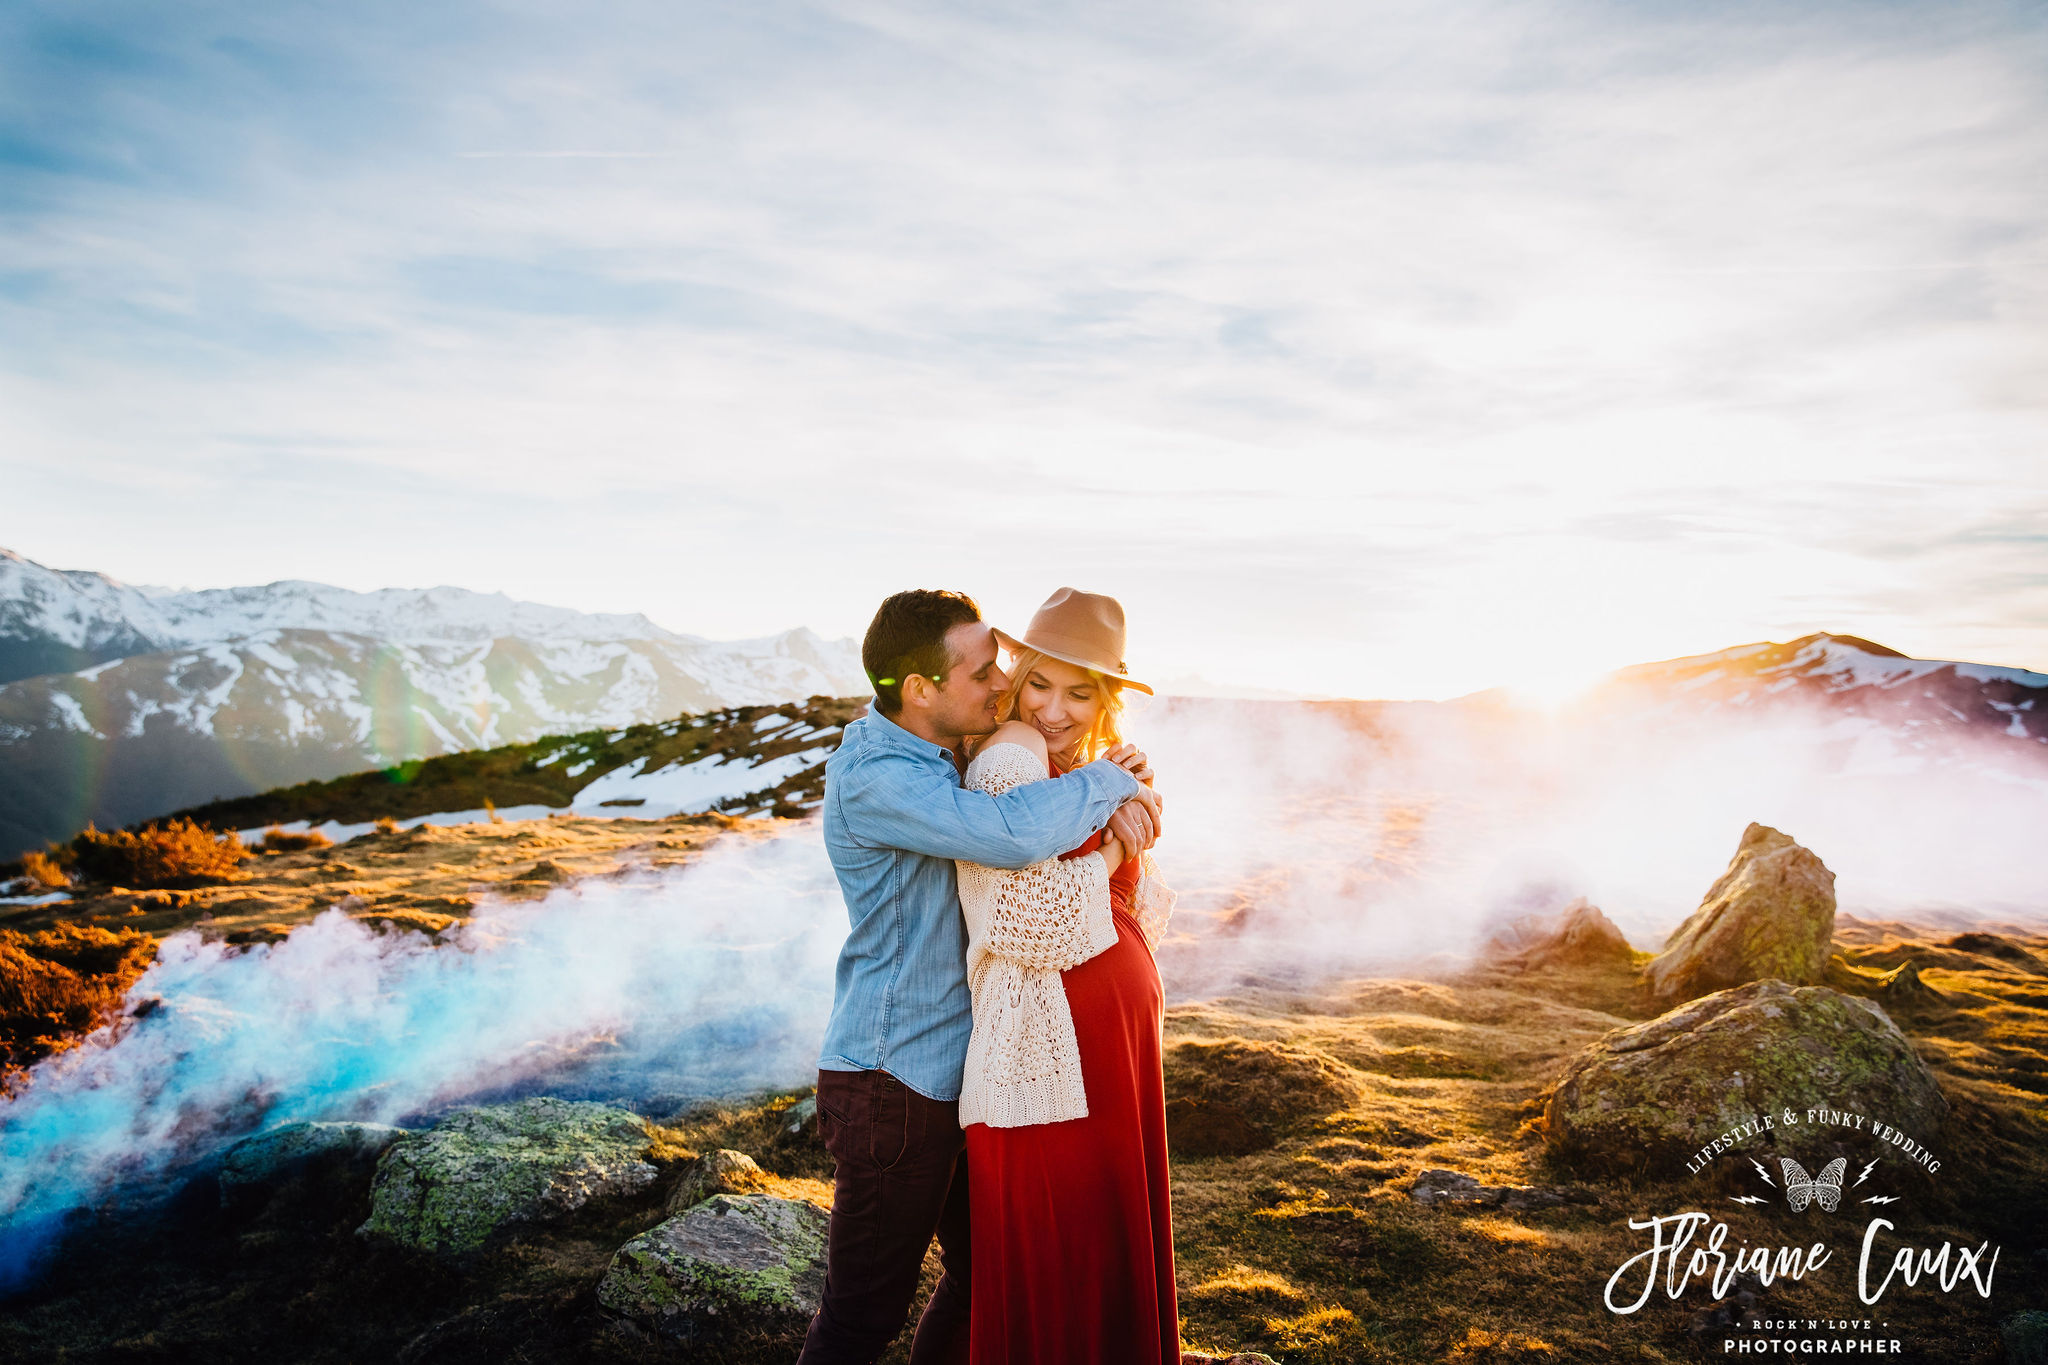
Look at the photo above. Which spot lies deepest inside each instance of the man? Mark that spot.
(889, 1077)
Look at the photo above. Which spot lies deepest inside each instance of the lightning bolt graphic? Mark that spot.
(1764, 1173)
(1752, 1199)
(1882, 1199)
(1866, 1173)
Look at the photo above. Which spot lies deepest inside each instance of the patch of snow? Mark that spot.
(341, 833)
(774, 720)
(71, 715)
(47, 898)
(686, 788)
(554, 757)
(1990, 673)
(578, 769)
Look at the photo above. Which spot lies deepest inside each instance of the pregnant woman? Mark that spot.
(1063, 1101)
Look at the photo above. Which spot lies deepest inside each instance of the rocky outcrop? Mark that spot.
(1771, 914)
(256, 1163)
(1230, 1096)
(751, 1264)
(1579, 935)
(720, 1172)
(1656, 1092)
(451, 1188)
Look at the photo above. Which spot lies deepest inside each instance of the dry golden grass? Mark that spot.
(421, 879)
(45, 871)
(172, 853)
(276, 840)
(58, 985)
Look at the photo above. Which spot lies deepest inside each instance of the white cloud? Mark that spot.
(1375, 348)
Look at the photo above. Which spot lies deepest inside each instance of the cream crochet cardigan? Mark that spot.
(1024, 928)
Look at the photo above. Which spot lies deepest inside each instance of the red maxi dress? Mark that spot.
(1072, 1224)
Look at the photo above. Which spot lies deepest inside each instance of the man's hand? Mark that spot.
(1136, 824)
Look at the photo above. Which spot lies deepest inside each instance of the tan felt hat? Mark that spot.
(1085, 629)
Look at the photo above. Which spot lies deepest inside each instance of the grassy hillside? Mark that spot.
(549, 771)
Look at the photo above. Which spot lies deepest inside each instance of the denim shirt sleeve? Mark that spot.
(892, 801)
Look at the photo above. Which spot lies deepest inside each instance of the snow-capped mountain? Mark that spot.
(1883, 709)
(120, 703)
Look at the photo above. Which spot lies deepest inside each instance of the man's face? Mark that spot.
(973, 682)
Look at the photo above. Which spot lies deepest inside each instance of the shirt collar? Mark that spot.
(896, 737)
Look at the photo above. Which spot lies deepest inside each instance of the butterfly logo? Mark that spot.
(1824, 1189)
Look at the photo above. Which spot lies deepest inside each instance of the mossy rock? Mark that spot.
(723, 1171)
(734, 1265)
(1654, 1093)
(1771, 914)
(1231, 1096)
(479, 1170)
(264, 1159)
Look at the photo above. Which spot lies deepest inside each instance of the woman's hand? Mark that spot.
(1132, 760)
(1112, 850)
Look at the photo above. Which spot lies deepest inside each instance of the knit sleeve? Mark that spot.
(1152, 901)
(1051, 915)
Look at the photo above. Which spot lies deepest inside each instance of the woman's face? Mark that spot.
(1061, 701)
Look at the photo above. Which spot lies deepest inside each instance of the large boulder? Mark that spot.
(478, 1170)
(1657, 1092)
(1771, 914)
(257, 1163)
(748, 1264)
(1579, 935)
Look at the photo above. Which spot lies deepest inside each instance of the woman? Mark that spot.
(1062, 1100)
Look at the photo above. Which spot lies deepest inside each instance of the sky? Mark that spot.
(1381, 349)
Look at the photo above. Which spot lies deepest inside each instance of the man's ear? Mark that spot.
(918, 691)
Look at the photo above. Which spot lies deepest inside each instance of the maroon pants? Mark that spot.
(901, 1177)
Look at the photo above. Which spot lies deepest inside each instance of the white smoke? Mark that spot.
(1317, 839)
(701, 981)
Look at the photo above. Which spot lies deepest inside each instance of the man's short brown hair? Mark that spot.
(908, 635)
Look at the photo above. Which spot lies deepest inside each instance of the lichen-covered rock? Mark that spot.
(1579, 935)
(1656, 1092)
(450, 1188)
(719, 1172)
(1230, 1096)
(1771, 914)
(268, 1157)
(735, 1263)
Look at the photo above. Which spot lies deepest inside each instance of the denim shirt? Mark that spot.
(896, 817)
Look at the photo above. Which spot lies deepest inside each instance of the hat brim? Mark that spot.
(1017, 646)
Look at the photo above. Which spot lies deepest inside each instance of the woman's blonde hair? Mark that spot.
(1108, 730)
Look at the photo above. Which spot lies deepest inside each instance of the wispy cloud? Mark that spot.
(1434, 340)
